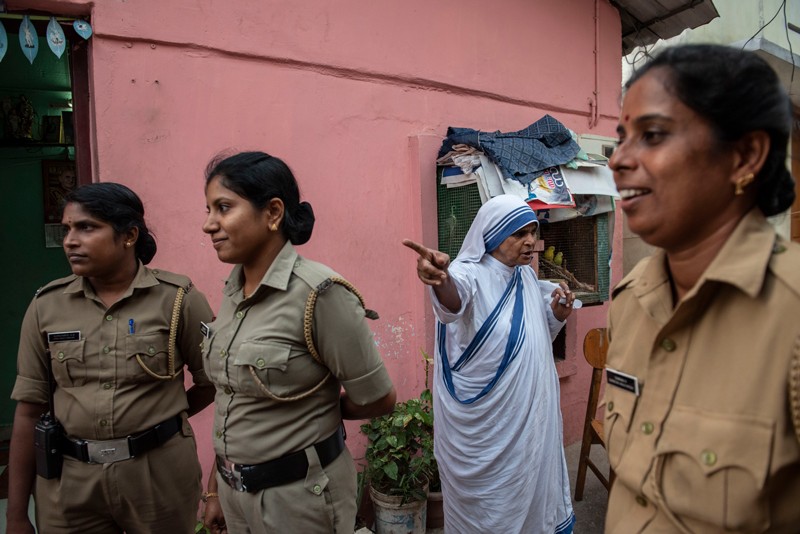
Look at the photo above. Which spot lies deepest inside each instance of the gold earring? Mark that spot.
(742, 182)
(274, 227)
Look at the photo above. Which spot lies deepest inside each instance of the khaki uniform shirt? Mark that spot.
(264, 335)
(103, 392)
(708, 445)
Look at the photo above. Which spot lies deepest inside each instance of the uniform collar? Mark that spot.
(744, 257)
(741, 262)
(277, 276)
(144, 278)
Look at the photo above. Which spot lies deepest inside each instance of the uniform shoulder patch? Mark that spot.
(179, 280)
(311, 272)
(61, 282)
(785, 263)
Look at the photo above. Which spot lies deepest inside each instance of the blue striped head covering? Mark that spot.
(496, 220)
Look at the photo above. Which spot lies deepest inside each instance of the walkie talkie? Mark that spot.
(48, 432)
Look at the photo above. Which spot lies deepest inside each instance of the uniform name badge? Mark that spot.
(622, 380)
(205, 330)
(55, 337)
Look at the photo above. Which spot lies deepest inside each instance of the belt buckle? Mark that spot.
(232, 474)
(108, 451)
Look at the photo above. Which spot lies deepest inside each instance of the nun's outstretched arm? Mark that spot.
(432, 271)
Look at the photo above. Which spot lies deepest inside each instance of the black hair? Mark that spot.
(259, 178)
(120, 207)
(737, 92)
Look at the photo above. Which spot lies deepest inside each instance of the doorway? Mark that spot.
(43, 155)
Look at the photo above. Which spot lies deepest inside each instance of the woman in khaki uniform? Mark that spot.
(119, 335)
(698, 420)
(282, 465)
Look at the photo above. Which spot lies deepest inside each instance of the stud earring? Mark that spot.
(742, 182)
(274, 227)
(128, 244)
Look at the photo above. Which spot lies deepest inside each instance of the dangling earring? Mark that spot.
(742, 182)
(274, 227)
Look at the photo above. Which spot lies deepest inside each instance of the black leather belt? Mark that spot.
(280, 471)
(115, 450)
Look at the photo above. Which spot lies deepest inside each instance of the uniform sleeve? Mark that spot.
(554, 325)
(346, 345)
(195, 311)
(32, 383)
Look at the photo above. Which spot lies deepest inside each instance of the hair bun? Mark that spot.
(299, 223)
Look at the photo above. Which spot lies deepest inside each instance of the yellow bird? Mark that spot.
(559, 258)
(549, 253)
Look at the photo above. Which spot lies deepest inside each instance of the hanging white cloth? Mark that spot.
(500, 453)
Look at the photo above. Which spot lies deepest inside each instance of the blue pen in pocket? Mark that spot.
(130, 326)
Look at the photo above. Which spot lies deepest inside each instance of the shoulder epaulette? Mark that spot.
(61, 282)
(179, 280)
(785, 263)
(311, 272)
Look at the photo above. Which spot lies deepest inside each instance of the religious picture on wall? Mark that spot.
(59, 179)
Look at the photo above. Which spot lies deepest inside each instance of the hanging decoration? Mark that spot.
(3, 41)
(28, 39)
(56, 38)
(82, 28)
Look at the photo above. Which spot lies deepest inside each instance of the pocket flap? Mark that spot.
(718, 441)
(67, 350)
(147, 344)
(620, 404)
(263, 355)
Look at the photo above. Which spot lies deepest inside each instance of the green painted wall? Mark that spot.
(25, 263)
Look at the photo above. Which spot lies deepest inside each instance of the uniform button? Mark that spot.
(106, 350)
(223, 353)
(103, 422)
(109, 317)
(108, 385)
(239, 314)
(317, 489)
(60, 356)
(647, 427)
(227, 390)
(218, 433)
(641, 501)
(151, 350)
(155, 271)
(708, 457)
(668, 345)
(611, 406)
(260, 363)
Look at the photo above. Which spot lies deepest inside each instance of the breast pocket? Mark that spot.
(148, 357)
(712, 468)
(69, 367)
(267, 368)
(620, 407)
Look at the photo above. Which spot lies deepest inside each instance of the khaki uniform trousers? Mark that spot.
(323, 503)
(155, 493)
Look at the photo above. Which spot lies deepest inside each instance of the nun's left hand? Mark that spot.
(562, 294)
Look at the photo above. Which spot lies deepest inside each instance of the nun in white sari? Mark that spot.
(498, 432)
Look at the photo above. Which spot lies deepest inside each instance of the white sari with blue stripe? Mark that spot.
(498, 432)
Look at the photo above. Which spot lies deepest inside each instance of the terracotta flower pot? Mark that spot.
(435, 510)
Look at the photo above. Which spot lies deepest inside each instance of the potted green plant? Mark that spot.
(400, 464)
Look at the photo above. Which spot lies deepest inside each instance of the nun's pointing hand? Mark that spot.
(431, 264)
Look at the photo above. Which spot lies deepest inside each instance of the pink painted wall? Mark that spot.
(356, 97)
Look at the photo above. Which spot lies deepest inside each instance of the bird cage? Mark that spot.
(583, 242)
